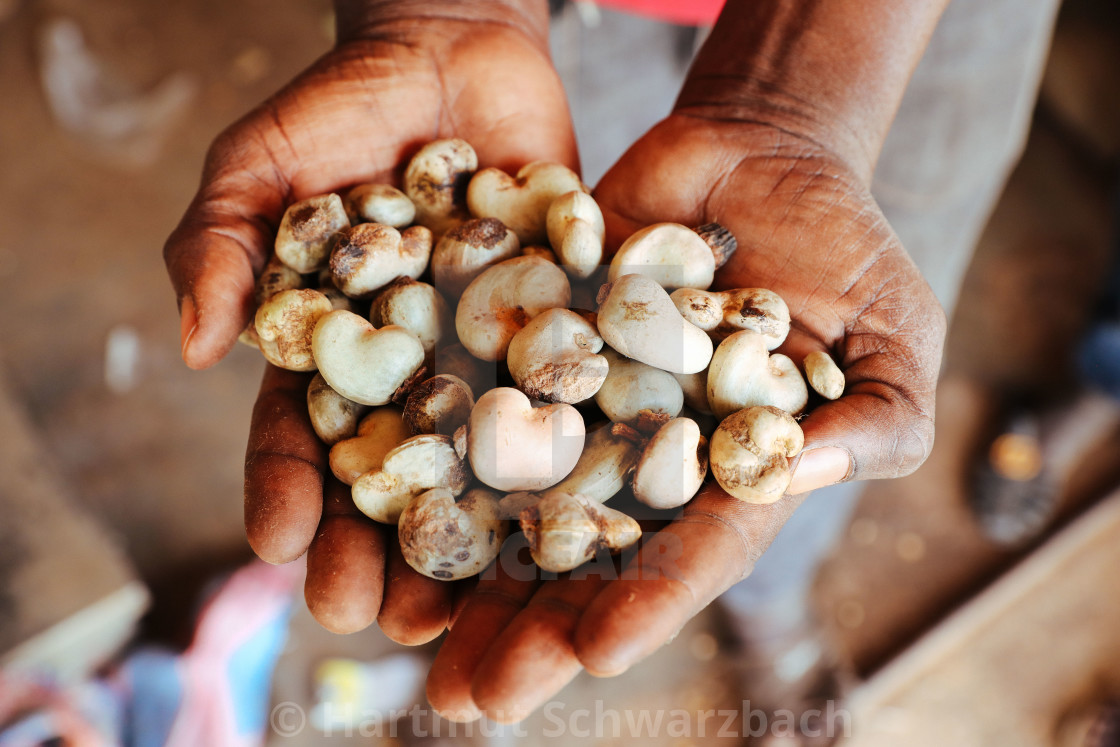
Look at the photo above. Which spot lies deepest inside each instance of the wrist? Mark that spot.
(372, 19)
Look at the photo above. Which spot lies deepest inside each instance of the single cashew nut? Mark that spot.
(307, 231)
(447, 539)
(418, 464)
(275, 277)
(480, 375)
(514, 446)
(440, 404)
(603, 467)
(639, 320)
(633, 387)
(750, 453)
(565, 531)
(673, 255)
(502, 300)
(284, 325)
(416, 306)
(744, 373)
(333, 417)
(361, 363)
(723, 313)
(553, 358)
(379, 432)
(379, 203)
(521, 202)
(824, 375)
(469, 248)
(370, 255)
(436, 181)
(576, 233)
(673, 465)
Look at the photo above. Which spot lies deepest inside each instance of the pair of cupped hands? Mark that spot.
(807, 227)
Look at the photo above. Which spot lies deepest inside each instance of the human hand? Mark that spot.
(480, 72)
(808, 229)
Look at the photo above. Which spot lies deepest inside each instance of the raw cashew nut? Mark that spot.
(378, 433)
(418, 464)
(743, 374)
(441, 404)
(824, 375)
(309, 227)
(436, 181)
(751, 450)
(673, 465)
(607, 460)
(723, 313)
(553, 358)
(576, 233)
(481, 376)
(565, 531)
(502, 300)
(468, 249)
(633, 388)
(447, 539)
(639, 320)
(521, 202)
(275, 277)
(370, 255)
(514, 446)
(284, 325)
(695, 389)
(379, 203)
(333, 417)
(416, 306)
(673, 255)
(361, 363)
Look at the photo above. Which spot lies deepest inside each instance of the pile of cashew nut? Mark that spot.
(466, 333)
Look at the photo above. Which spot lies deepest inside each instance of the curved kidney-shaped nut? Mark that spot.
(502, 300)
(361, 363)
(514, 446)
(553, 358)
(481, 376)
(723, 313)
(307, 231)
(378, 433)
(673, 465)
(370, 255)
(673, 255)
(436, 181)
(379, 203)
(284, 325)
(824, 375)
(633, 387)
(333, 417)
(565, 531)
(447, 539)
(576, 232)
(750, 453)
(607, 460)
(440, 404)
(418, 464)
(521, 202)
(743, 374)
(275, 277)
(469, 248)
(639, 320)
(416, 306)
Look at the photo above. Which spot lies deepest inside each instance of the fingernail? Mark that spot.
(188, 323)
(817, 468)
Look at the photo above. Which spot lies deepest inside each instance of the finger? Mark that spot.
(221, 242)
(535, 658)
(345, 565)
(415, 608)
(676, 573)
(284, 466)
(503, 591)
(463, 590)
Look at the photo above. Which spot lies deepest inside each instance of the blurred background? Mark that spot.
(972, 612)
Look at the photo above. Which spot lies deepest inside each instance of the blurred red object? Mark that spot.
(683, 12)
